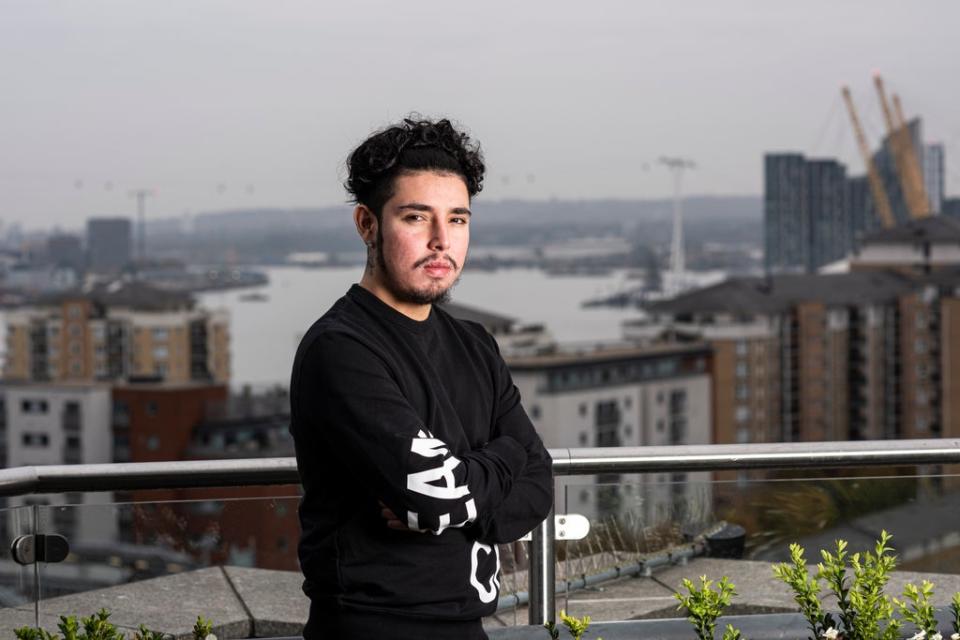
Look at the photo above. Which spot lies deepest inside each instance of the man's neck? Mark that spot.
(418, 312)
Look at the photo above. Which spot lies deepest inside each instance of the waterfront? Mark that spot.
(265, 332)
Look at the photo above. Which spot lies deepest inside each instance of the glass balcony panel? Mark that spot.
(18, 583)
(163, 563)
(649, 532)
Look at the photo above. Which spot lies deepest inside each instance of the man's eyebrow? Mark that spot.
(418, 206)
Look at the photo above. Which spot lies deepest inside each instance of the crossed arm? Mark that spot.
(498, 492)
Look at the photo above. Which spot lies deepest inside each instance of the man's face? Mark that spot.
(422, 239)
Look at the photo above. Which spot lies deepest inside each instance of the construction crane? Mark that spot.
(915, 169)
(873, 177)
(903, 156)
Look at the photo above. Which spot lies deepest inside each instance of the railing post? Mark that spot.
(542, 575)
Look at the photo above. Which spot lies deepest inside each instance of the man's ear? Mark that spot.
(366, 224)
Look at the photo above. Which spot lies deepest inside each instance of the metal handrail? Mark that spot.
(566, 462)
(128, 476)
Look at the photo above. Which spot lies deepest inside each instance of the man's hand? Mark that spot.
(393, 522)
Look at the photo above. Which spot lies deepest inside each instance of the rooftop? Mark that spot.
(123, 293)
(567, 356)
(934, 229)
(778, 293)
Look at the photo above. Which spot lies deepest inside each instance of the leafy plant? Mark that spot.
(955, 610)
(806, 588)
(203, 629)
(917, 608)
(576, 626)
(99, 627)
(872, 610)
(30, 633)
(704, 605)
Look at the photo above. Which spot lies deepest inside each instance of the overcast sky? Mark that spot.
(218, 104)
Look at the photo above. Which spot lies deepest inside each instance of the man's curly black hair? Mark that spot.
(412, 145)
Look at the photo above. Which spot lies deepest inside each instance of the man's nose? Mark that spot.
(439, 237)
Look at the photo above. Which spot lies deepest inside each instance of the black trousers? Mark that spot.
(334, 624)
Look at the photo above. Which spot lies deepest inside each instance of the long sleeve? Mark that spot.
(362, 416)
(531, 496)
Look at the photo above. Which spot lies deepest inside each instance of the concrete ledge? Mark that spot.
(242, 603)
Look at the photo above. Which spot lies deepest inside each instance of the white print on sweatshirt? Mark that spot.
(422, 482)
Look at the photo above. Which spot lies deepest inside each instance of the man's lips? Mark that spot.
(437, 267)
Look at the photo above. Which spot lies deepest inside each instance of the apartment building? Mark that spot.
(65, 423)
(861, 355)
(116, 331)
(622, 395)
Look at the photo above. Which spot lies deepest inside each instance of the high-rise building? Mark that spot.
(66, 250)
(108, 244)
(117, 331)
(814, 214)
(806, 207)
(786, 223)
(951, 207)
(933, 176)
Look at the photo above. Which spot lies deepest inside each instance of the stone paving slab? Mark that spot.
(274, 599)
(169, 604)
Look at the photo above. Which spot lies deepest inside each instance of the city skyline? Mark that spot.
(225, 106)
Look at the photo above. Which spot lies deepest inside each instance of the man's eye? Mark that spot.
(415, 217)
(459, 220)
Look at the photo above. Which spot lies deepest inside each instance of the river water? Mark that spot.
(265, 334)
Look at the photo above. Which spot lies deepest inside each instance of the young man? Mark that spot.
(415, 454)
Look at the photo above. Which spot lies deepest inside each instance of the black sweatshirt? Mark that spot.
(424, 417)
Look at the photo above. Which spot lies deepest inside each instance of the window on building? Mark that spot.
(661, 425)
(741, 369)
(743, 435)
(741, 348)
(161, 352)
(678, 430)
(583, 409)
(742, 414)
(667, 367)
(74, 311)
(73, 443)
(160, 334)
(628, 431)
(74, 330)
(584, 439)
(30, 439)
(34, 406)
(628, 402)
(678, 401)
(150, 408)
(607, 424)
(153, 443)
(743, 392)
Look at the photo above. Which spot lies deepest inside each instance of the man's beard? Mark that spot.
(405, 294)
